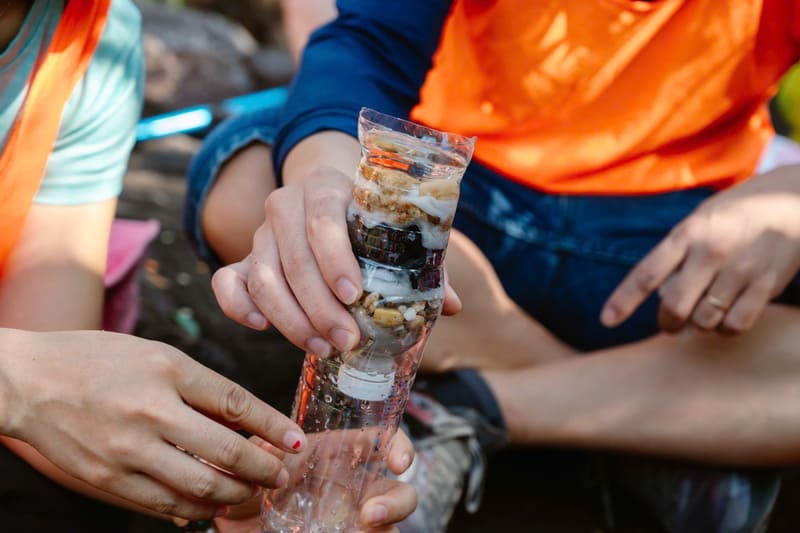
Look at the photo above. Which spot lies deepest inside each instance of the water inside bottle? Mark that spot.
(345, 457)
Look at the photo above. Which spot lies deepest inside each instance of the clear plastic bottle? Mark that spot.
(404, 199)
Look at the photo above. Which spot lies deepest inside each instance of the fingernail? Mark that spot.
(405, 462)
(346, 291)
(282, 480)
(221, 511)
(293, 440)
(343, 339)
(609, 316)
(377, 514)
(257, 320)
(319, 347)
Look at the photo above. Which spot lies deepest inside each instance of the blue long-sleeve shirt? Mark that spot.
(375, 54)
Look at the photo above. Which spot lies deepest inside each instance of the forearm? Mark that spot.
(46, 288)
(54, 279)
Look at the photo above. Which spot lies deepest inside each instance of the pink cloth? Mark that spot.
(126, 251)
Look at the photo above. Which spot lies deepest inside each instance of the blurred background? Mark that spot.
(205, 51)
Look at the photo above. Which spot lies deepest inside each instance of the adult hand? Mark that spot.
(116, 412)
(302, 268)
(386, 503)
(721, 266)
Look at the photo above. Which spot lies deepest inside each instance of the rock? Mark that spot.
(194, 57)
(261, 17)
(271, 66)
(170, 154)
(387, 318)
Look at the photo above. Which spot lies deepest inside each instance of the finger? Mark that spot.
(302, 272)
(267, 447)
(326, 228)
(150, 494)
(452, 303)
(271, 293)
(401, 453)
(680, 297)
(246, 510)
(395, 502)
(645, 278)
(190, 477)
(228, 450)
(230, 288)
(216, 395)
(711, 310)
(748, 307)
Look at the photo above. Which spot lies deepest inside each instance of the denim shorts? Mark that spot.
(559, 256)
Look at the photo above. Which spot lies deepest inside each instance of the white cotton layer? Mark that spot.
(395, 284)
(442, 209)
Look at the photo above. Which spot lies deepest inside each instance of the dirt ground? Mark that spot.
(541, 491)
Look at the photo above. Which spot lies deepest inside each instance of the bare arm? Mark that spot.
(301, 18)
(55, 283)
(111, 413)
(54, 280)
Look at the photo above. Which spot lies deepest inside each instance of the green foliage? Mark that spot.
(787, 102)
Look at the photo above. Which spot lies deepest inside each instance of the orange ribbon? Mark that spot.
(30, 142)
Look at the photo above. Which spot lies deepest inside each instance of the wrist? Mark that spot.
(322, 151)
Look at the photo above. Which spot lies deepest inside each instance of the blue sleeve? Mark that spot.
(98, 128)
(375, 54)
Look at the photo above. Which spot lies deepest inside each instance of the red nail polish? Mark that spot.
(296, 445)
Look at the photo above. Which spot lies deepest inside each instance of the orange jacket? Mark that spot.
(612, 96)
(23, 161)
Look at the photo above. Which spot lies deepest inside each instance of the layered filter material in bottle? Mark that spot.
(404, 198)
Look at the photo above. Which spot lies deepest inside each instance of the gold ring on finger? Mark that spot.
(715, 302)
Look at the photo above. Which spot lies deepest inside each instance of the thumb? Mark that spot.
(230, 288)
(452, 303)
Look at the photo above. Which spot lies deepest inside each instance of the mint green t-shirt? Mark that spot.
(98, 125)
